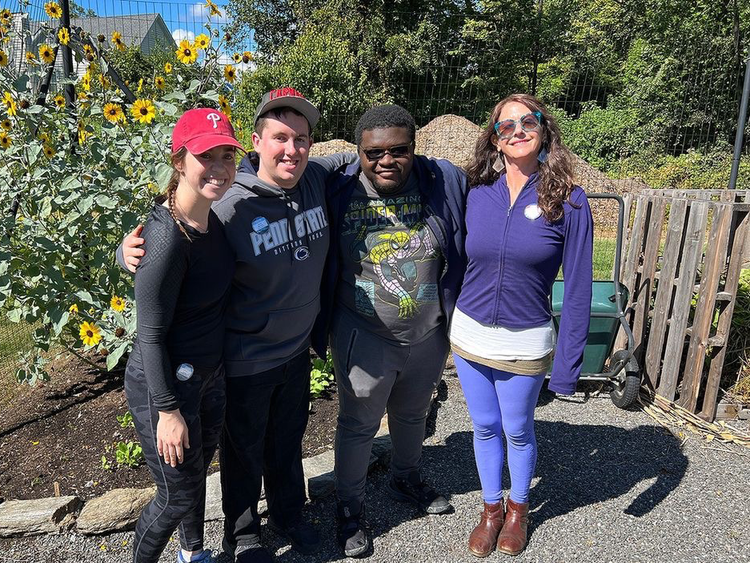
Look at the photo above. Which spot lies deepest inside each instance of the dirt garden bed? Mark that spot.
(59, 431)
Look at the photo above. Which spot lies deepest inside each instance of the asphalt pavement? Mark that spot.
(611, 486)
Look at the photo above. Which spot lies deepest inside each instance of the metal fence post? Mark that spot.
(740, 127)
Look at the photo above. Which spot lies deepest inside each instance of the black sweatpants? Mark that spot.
(180, 491)
(266, 418)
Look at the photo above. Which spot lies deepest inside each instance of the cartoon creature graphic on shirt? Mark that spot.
(393, 246)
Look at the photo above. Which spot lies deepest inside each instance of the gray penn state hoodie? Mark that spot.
(280, 239)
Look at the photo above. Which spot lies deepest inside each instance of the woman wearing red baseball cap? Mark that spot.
(174, 380)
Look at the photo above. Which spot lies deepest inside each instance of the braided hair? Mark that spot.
(169, 193)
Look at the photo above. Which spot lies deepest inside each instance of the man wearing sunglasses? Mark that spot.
(393, 273)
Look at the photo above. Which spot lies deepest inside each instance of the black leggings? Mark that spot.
(180, 491)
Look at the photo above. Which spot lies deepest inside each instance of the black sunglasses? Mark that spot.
(400, 151)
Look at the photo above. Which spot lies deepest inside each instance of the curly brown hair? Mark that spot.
(555, 173)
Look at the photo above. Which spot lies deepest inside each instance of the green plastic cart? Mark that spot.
(607, 315)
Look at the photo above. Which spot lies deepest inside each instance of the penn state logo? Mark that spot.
(532, 212)
(302, 253)
(260, 225)
(215, 117)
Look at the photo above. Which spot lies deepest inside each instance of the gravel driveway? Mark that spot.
(611, 486)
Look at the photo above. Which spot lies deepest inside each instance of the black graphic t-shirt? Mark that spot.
(390, 263)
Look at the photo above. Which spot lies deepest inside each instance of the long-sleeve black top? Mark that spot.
(181, 291)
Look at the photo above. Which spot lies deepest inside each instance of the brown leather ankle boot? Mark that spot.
(512, 538)
(483, 538)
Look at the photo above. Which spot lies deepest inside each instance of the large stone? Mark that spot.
(213, 497)
(39, 516)
(319, 474)
(114, 511)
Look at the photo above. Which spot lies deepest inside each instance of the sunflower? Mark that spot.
(213, 9)
(47, 54)
(113, 113)
(88, 49)
(30, 58)
(90, 334)
(53, 10)
(229, 73)
(104, 81)
(117, 303)
(168, 68)
(6, 125)
(186, 53)
(43, 137)
(237, 58)
(73, 309)
(160, 83)
(63, 35)
(247, 56)
(59, 101)
(202, 42)
(5, 140)
(49, 151)
(143, 111)
(118, 42)
(86, 82)
(10, 104)
(82, 133)
(224, 106)
(3, 58)
(5, 16)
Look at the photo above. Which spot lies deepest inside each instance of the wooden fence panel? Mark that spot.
(691, 253)
(664, 292)
(729, 297)
(713, 266)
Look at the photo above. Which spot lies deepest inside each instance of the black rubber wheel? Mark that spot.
(625, 391)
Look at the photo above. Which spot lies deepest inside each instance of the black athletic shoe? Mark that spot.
(351, 532)
(416, 491)
(250, 553)
(304, 536)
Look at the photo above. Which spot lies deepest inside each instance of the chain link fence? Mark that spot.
(637, 112)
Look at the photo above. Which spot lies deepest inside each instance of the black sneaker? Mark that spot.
(351, 532)
(304, 536)
(416, 491)
(246, 553)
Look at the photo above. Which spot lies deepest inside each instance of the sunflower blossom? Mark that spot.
(53, 10)
(168, 68)
(5, 141)
(160, 83)
(117, 303)
(49, 151)
(202, 42)
(224, 106)
(229, 73)
(59, 101)
(143, 111)
(213, 9)
(113, 113)
(30, 58)
(3, 58)
(118, 42)
(73, 309)
(90, 334)
(9, 103)
(186, 54)
(63, 35)
(6, 124)
(46, 53)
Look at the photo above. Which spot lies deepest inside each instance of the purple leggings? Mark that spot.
(500, 403)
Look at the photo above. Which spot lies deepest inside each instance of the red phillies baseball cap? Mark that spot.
(201, 129)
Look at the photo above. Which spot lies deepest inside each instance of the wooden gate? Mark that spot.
(684, 250)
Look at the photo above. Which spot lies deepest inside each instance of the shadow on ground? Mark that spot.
(578, 465)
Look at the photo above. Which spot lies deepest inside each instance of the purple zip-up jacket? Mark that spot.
(514, 256)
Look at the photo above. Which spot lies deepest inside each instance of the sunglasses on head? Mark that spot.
(529, 122)
(399, 151)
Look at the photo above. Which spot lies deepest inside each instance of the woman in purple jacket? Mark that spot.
(524, 219)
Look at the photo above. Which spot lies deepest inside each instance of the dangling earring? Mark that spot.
(542, 156)
(498, 165)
